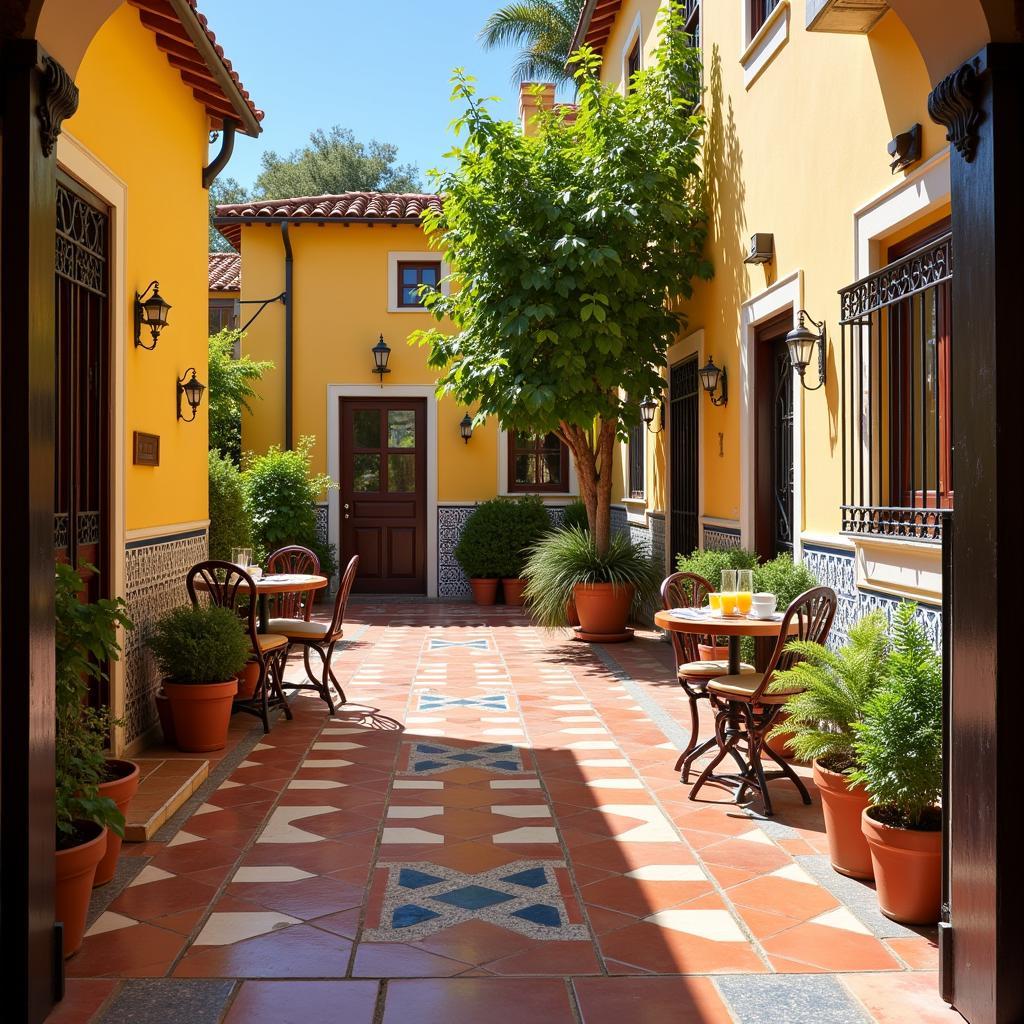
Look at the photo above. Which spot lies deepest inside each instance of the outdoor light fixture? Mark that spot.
(193, 390)
(381, 354)
(801, 342)
(151, 313)
(648, 407)
(466, 428)
(711, 377)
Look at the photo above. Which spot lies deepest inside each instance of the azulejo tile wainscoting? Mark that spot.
(154, 571)
(721, 537)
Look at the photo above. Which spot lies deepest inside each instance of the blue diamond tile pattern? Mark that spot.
(482, 644)
(432, 758)
(485, 702)
(523, 897)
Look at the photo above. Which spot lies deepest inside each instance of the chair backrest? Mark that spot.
(813, 612)
(227, 586)
(341, 600)
(296, 560)
(685, 590)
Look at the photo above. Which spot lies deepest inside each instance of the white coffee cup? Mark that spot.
(763, 604)
(256, 572)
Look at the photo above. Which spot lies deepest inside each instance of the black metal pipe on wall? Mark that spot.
(289, 305)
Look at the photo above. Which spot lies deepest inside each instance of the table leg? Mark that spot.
(734, 655)
(264, 615)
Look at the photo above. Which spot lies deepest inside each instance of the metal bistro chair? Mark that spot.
(299, 561)
(229, 586)
(745, 711)
(320, 637)
(689, 590)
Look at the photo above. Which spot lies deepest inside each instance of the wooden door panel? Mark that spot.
(402, 552)
(366, 543)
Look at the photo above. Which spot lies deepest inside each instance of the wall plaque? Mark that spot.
(145, 449)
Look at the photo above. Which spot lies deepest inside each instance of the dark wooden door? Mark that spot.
(774, 527)
(384, 492)
(684, 408)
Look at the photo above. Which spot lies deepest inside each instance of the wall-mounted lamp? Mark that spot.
(712, 378)
(381, 353)
(801, 343)
(466, 428)
(150, 312)
(192, 390)
(648, 408)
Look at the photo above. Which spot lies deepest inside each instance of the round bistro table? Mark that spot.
(284, 583)
(732, 627)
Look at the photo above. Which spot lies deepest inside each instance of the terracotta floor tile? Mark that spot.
(666, 952)
(799, 900)
(126, 952)
(897, 998)
(475, 942)
(296, 952)
(547, 958)
(650, 1001)
(398, 960)
(304, 898)
(155, 899)
(472, 1000)
(832, 949)
(919, 953)
(82, 998)
(304, 1002)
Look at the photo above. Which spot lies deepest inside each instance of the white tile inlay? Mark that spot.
(338, 746)
(668, 873)
(279, 829)
(417, 784)
(716, 925)
(344, 732)
(515, 783)
(615, 784)
(316, 784)
(841, 918)
(593, 719)
(503, 732)
(184, 838)
(592, 745)
(228, 784)
(414, 811)
(271, 873)
(794, 873)
(656, 828)
(249, 764)
(755, 836)
(264, 746)
(522, 810)
(605, 762)
(222, 929)
(410, 835)
(149, 874)
(325, 763)
(108, 921)
(528, 834)
(585, 730)
(206, 809)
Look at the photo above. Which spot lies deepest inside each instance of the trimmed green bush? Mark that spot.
(496, 539)
(710, 562)
(207, 644)
(784, 578)
(230, 526)
(575, 516)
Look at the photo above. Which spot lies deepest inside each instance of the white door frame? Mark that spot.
(388, 392)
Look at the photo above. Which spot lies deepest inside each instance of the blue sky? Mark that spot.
(379, 68)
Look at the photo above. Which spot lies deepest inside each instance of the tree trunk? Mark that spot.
(594, 472)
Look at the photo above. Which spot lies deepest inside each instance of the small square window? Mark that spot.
(411, 276)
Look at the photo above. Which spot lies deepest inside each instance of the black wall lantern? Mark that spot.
(381, 354)
(192, 390)
(801, 342)
(150, 312)
(648, 408)
(712, 378)
(466, 428)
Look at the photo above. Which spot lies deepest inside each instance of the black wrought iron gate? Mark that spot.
(684, 394)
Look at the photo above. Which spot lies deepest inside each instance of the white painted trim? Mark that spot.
(75, 159)
(634, 35)
(427, 256)
(788, 292)
(427, 391)
(836, 541)
(771, 37)
(503, 491)
(169, 530)
(692, 344)
(924, 189)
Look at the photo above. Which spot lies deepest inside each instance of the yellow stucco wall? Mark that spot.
(130, 96)
(340, 306)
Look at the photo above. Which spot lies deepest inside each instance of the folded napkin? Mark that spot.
(688, 613)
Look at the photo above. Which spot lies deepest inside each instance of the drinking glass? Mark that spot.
(715, 603)
(744, 590)
(727, 592)
(242, 557)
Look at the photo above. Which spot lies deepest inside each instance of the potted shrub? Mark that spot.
(899, 751)
(526, 522)
(200, 651)
(836, 687)
(86, 639)
(574, 514)
(566, 566)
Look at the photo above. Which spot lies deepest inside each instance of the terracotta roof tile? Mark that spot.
(350, 207)
(225, 271)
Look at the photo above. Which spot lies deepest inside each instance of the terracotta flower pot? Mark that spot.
(603, 608)
(780, 743)
(843, 806)
(908, 870)
(513, 591)
(120, 789)
(709, 652)
(202, 712)
(75, 871)
(484, 591)
(572, 616)
(247, 680)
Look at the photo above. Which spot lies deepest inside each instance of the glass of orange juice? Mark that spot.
(715, 601)
(744, 590)
(727, 593)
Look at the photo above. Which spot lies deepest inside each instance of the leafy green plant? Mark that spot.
(497, 536)
(205, 644)
(836, 687)
(230, 526)
(281, 491)
(574, 245)
(575, 516)
(566, 557)
(86, 640)
(710, 562)
(230, 391)
(543, 30)
(784, 578)
(898, 745)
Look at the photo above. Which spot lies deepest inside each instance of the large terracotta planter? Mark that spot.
(572, 616)
(513, 591)
(603, 609)
(201, 712)
(843, 806)
(908, 870)
(713, 652)
(75, 871)
(484, 591)
(247, 680)
(120, 789)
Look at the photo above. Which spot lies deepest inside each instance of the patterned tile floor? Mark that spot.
(495, 834)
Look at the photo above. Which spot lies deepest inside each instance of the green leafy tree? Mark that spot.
(570, 248)
(230, 391)
(223, 190)
(543, 30)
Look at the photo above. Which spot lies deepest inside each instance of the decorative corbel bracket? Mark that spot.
(58, 99)
(953, 103)
(219, 162)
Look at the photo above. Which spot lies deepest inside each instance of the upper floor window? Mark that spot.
(760, 11)
(691, 23)
(413, 275)
(222, 315)
(637, 461)
(632, 64)
(537, 463)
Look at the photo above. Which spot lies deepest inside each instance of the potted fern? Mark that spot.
(898, 749)
(835, 689)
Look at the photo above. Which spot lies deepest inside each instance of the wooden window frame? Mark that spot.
(222, 307)
(637, 463)
(633, 63)
(555, 487)
(418, 265)
(760, 12)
